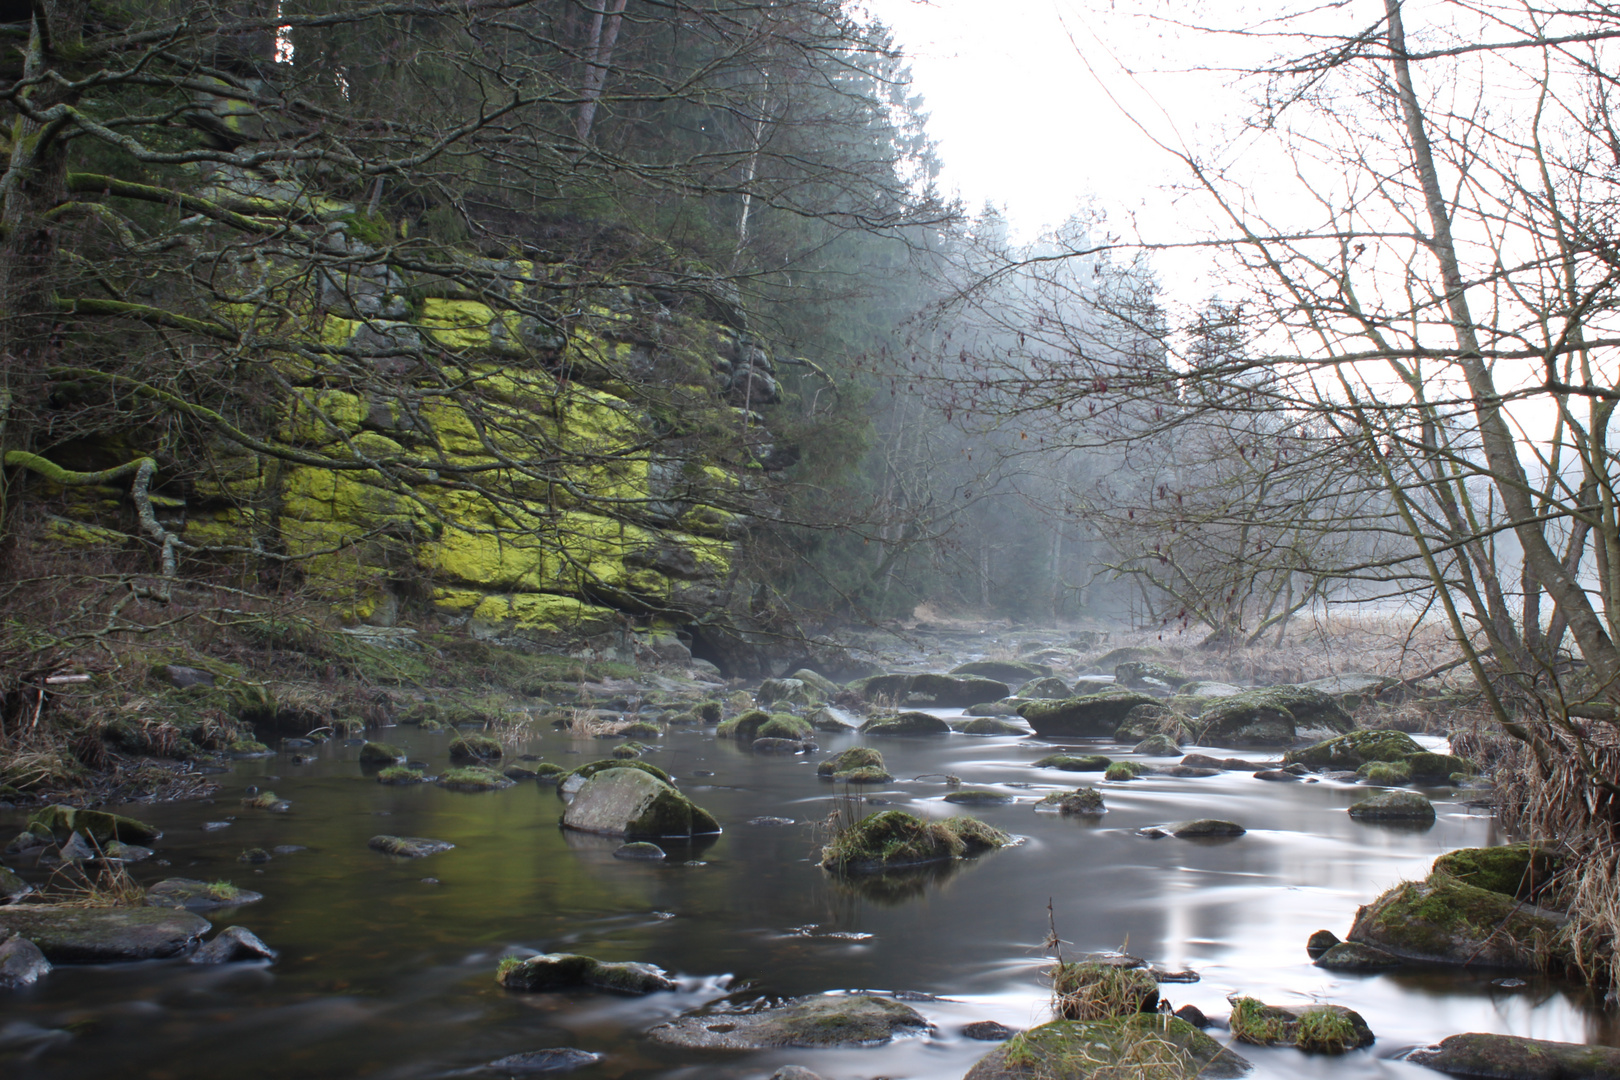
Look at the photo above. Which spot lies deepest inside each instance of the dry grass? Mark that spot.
(100, 884)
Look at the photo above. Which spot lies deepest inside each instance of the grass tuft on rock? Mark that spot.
(893, 838)
(1091, 991)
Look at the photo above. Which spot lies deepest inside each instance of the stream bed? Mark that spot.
(387, 965)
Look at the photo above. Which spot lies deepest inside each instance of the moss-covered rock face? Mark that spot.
(1123, 770)
(1517, 870)
(789, 692)
(745, 727)
(893, 838)
(989, 725)
(1139, 674)
(634, 804)
(1386, 773)
(828, 1020)
(1355, 749)
(1146, 721)
(1050, 688)
(1079, 801)
(569, 971)
(572, 780)
(907, 723)
(1444, 921)
(1095, 716)
(1510, 1057)
(408, 847)
(1145, 1045)
(1427, 768)
(785, 727)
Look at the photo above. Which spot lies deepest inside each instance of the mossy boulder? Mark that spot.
(198, 895)
(1145, 721)
(1394, 806)
(786, 727)
(378, 753)
(816, 680)
(827, 1020)
(1157, 746)
(1145, 1045)
(1095, 716)
(708, 711)
(1512, 1057)
(1248, 719)
(1142, 674)
(635, 804)
(1444, 921)
(1012, 672)
(1317, 1029)
(408, 847)
(856, 757)
(893, 838)
(1429, 768)
(906, 723)
(989, 725)
(57, 823)
(789, 692)
(471, 747)
(866, 774)
(1050, 688)
(744, 727)
(889, 688)
(831, 719)
(1517, 870)
(954, 691)
(472, 779)
(1079, 801)
(1071, 763)
(1354, 750)
(1197, 829)
(1385, 773)
(570, 971)
(572, 780)
(104, 935)
(1124, 770)
(1090, 990)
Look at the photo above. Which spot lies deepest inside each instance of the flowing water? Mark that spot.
(387, 966)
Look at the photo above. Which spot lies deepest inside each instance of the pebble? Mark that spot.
(215, 826)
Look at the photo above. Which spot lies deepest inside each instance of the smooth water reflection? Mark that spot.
(387, 965)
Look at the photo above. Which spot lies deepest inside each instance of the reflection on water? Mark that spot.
(387, 966)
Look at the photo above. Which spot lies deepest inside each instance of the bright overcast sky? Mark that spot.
(1022, 123)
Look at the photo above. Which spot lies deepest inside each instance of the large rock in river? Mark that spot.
(1095, 716)
(632, 803)
(1354, 750)
(954, 691)
(21, 962)
(907, 723)
(570, 971)
(1012, 672)
(104, 935)
(892, 839)
(1164, 1047)
(825, 1020)
(1510, 1057)
(1274, 715)
(1444, 921)
(1517, 870)
(59, 822)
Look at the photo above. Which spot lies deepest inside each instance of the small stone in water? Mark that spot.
(663, 914)
(555, 1059)
(254, 855)
(1193, 1015)
(430, 881)
(1275, 774)
(215, 826)
(1509, 984)
(287, 849)
(639, 850)
(988, 1031)
(702, 772)
(770, 821)
(1320, 942)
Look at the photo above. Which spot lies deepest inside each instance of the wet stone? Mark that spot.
(1353, 956)
(408, 847)
(826, 1020)
(1509, 1057)
(198, 895)
(1320, 942)
(12, 887)
(1276, 774)
(557, 1059)
(1202, 828)
(639, 850)
(771, 821)
(570, 971)
(104, 935)
(1394, 806)
(21, 962)
(232, 945)
(988, 1031)
(978, 797)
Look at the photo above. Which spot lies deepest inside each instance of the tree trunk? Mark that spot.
(604, 34)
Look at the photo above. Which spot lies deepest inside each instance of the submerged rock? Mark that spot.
(570, 971)
(633, 803)
(554, 1059)
(978, 797)
(198, 895)
(907, 723)
(1444, 921)
(893, 838)
(1510, 1057)
(1199, 829)
(233, 945)
(1317, 1029)
(1394, 806)
(639, 850)
(1354, 956)
(104, 935)
(408, 847)
(1164, 1047)
(779, 746)
(1079, 801)
(1090, 716)
(21, 962)
(1068, 763)
(1355, 750)
(827, 1020)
